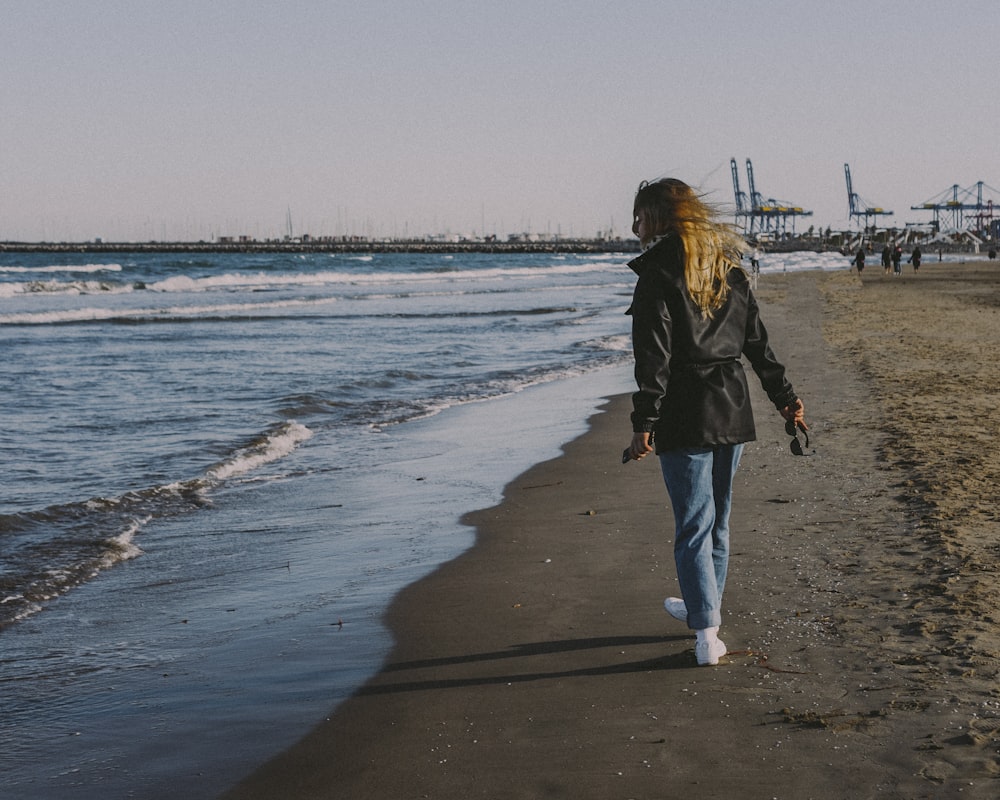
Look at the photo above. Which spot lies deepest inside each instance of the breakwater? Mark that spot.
(551, 246)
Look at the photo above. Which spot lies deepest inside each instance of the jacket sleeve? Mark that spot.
(765, 364)
(651, 344)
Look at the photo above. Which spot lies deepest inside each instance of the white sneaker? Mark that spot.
(675, 607)
(709, 653)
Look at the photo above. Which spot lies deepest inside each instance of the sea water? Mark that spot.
(219, 469)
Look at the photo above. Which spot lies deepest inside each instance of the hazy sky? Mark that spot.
(190, 119)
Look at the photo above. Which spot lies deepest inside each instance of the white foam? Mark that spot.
(92, 314)
(262, 280)
(800, 261)
(123, 547)
(620, 343)
(63, 287)
(274, 446)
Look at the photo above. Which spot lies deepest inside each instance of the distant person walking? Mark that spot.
(886, 258)
(897, 258)
(754, 266)
(859, 260)
(915, 258)
(694, 316)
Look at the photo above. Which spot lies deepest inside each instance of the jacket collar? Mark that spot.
(655, 250)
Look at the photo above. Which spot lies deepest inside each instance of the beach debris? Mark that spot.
(836, 720)
(541, 485)
(761, 661)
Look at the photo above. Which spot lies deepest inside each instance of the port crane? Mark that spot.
(754, 215)
(857, 208)
(966, 209)
(742, 201)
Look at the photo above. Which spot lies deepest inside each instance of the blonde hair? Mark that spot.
(711, 248)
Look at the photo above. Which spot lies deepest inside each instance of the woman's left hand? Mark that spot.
(795, 412)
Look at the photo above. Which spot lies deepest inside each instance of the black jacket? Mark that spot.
(692, 388)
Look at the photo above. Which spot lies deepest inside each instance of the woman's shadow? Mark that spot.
(537, 651)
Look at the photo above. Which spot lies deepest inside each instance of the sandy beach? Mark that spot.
(860, 611)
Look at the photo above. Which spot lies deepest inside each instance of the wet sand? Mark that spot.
(860, 611)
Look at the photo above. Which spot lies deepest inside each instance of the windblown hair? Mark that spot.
(711, 247)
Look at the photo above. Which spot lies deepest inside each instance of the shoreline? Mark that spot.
(541, 663)
(247, 660)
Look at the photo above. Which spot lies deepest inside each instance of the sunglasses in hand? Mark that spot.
(792, 429)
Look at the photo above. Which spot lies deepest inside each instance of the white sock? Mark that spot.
(707, 634)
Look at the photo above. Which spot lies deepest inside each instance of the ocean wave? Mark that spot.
(223, 311)
(269, 447)
(255, 309)
(498, 312)
(49, 552)
(13, 289)
(379, 414)
(264, 280)
(620, 343)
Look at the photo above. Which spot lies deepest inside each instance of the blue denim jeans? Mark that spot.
(700, 484)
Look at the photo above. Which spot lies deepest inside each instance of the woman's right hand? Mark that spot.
(640, 447)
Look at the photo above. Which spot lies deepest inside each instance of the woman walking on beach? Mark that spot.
(693, 317)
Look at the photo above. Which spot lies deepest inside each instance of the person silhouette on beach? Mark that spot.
(859, 260)
(897, 257)
(886, 258)
(915, 258)
(694, 316)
